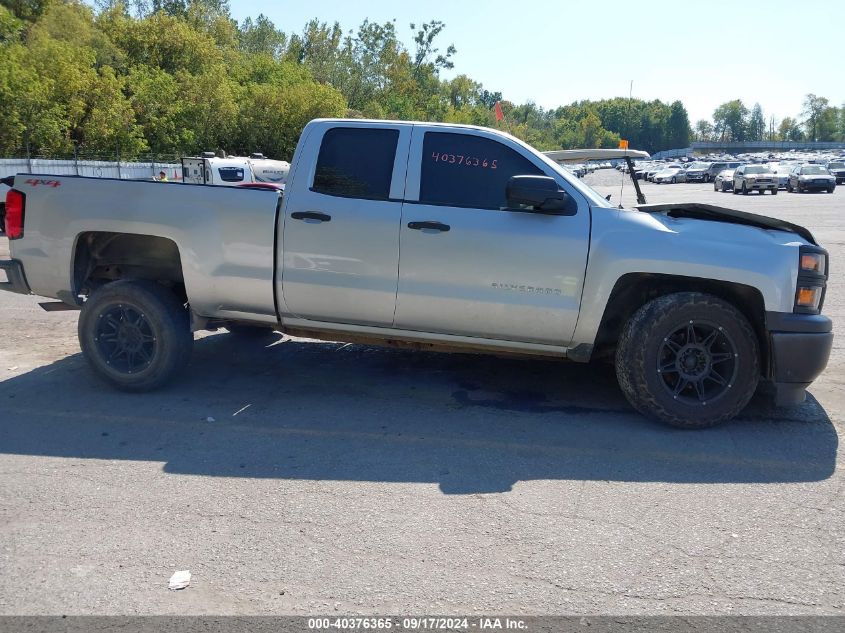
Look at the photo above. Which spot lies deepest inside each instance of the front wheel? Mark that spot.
(744, 190)
(688, 359)
(774, 192)
(706, 177)
(135, 335)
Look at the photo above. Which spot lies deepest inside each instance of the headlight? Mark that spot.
(813, 263)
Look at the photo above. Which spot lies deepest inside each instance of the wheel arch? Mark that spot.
(633, 290)
(100, 257)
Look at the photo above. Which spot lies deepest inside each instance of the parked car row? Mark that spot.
(721, 170)
(761, 178)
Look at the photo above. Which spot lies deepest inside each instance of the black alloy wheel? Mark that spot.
(697, 363)
(125, 339)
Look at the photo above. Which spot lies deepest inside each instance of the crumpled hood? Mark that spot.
(721, 214)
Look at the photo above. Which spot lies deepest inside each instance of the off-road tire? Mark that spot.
(164, 317)
(637, 358)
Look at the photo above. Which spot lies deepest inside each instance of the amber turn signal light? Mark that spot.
(809, 297)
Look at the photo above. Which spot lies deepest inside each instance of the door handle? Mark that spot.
(429, 226)
(311, 215)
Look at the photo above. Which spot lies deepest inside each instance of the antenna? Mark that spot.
(628, 163)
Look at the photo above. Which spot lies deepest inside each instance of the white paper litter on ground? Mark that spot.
(180, 580)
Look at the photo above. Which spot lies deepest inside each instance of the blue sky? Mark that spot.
(703, 53)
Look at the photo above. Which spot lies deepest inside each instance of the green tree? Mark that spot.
(827, 124)
(756, 124)
(790, 130)
(814, 107)
(703, 130)
(730, 121)
(678, 131)
(261, 37)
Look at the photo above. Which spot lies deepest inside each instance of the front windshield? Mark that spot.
(699, 166)
(760, 169)
(836, 166)
(814, 170)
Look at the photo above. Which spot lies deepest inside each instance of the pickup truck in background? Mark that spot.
(438, 237)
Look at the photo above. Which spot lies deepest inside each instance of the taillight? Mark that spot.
(14, 214)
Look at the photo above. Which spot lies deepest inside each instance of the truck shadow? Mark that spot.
(327, 411)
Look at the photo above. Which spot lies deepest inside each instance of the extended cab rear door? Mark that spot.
(343, 206)
(470, 267)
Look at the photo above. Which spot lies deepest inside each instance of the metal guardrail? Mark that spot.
(766, 145)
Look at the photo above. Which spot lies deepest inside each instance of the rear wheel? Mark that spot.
(688, 359)
(135, 335)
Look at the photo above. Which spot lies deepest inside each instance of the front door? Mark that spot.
(340, 240)
(470, 267)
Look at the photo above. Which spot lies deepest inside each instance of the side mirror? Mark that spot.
(541, 193)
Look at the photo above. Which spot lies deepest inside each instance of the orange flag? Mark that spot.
(498, 110)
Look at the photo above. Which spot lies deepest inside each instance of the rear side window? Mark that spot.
(356, 163)
(462, 170)
(231, 174)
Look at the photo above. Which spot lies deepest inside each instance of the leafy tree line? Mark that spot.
(733, 121)
(173, 77)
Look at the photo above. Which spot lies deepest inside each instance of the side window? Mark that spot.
(356, 163)
(462, 170)
(231, 174)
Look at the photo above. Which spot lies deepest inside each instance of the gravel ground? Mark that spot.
(353, 479)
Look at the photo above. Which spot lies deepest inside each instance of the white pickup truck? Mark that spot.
(433, 236)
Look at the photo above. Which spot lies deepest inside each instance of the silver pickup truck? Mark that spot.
(433, 236)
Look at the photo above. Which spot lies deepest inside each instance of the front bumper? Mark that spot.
(15, 278)
(761, 186)
(799, 347)
(816, 184)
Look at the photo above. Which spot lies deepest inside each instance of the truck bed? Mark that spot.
(224, 235)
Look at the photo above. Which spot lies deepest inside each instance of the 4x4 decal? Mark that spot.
(40, 181)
